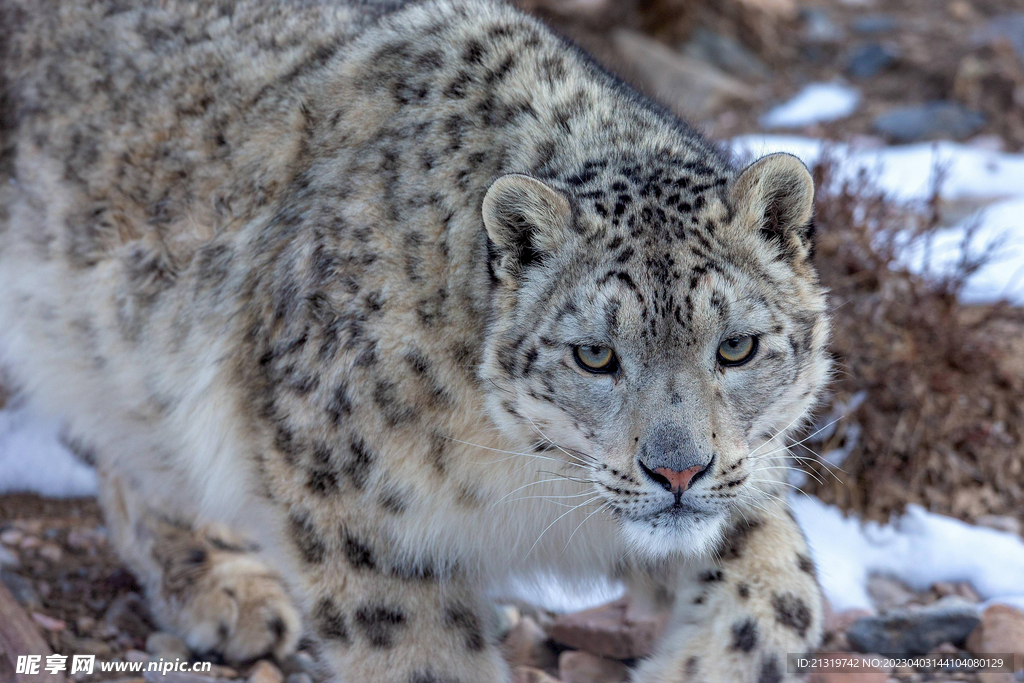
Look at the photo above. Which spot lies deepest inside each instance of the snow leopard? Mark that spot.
(365, 311)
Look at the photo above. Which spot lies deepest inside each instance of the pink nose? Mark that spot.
(680, 481)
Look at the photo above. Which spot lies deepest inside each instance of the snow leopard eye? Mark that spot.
(597, 359)
(737, 350)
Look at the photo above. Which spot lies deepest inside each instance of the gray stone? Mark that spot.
(7, 558)
(176, 677)
(299, 678)
(167, 646)
(818, 27)
(875, 23)
(725, 52)
(692, 87)
(869, 60)
(938, 119)
(22, 590)
(128, 614)
(888, 593)
(915, 631)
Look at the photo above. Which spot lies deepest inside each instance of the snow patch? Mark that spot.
(817, 102)
(34, 459)
(920, 548)
(906, 174)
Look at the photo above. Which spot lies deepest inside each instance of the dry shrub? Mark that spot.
(941, 382)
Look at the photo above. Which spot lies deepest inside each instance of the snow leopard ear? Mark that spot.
(775, 196)
(525, 220)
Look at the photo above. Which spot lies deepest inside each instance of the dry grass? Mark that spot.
(943, 383)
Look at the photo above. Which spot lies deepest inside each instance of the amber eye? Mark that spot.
(596, 358)
(737, 350)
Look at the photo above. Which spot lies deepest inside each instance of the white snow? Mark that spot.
(906, 173)
(920, 548)
(817, 102)
(33, 458)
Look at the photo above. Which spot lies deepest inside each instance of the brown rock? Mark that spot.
(527, 646)
(838, 622)
(888, 593)
(782, 9)
(11, 537)
(692, 87)
(265, 672)
(49, 623)
(583, 667)
(851, 674)
(1001, 631)
(84, 646)
(962, 589)
(607, 631)
(176, 677)
(51, 552)
(524, 674)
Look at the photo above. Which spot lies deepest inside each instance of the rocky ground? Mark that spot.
(56, 561)
(942, 425)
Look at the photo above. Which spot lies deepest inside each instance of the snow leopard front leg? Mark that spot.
(381, 616)
(736, 617)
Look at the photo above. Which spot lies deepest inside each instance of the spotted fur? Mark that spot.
(316, 270)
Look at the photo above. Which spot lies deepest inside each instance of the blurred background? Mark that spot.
(910, 481)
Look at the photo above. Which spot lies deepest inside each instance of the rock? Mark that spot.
(84, 646)
(525, 674)
(48, 622)
(875, 23)
(915, 631)
(11, 537)
(818, 27)
(1010, 525)
(176, 677)
(136, 656)
(128, 613)
(850, 674)
(937, 119)
(264, 671)
(1001, 631)
(607, 631)
(527, 645)
(167, 646)
(299, 677)
(888, 593)
(84, 624)
(51, 552)
(694, 88)
(962, 589)
(30, 543)
(838, 622)
(869, 60)
(583, 667)
(7, 558)
(22, 589)
(506, 618)
(778, 9)
(726, 53)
